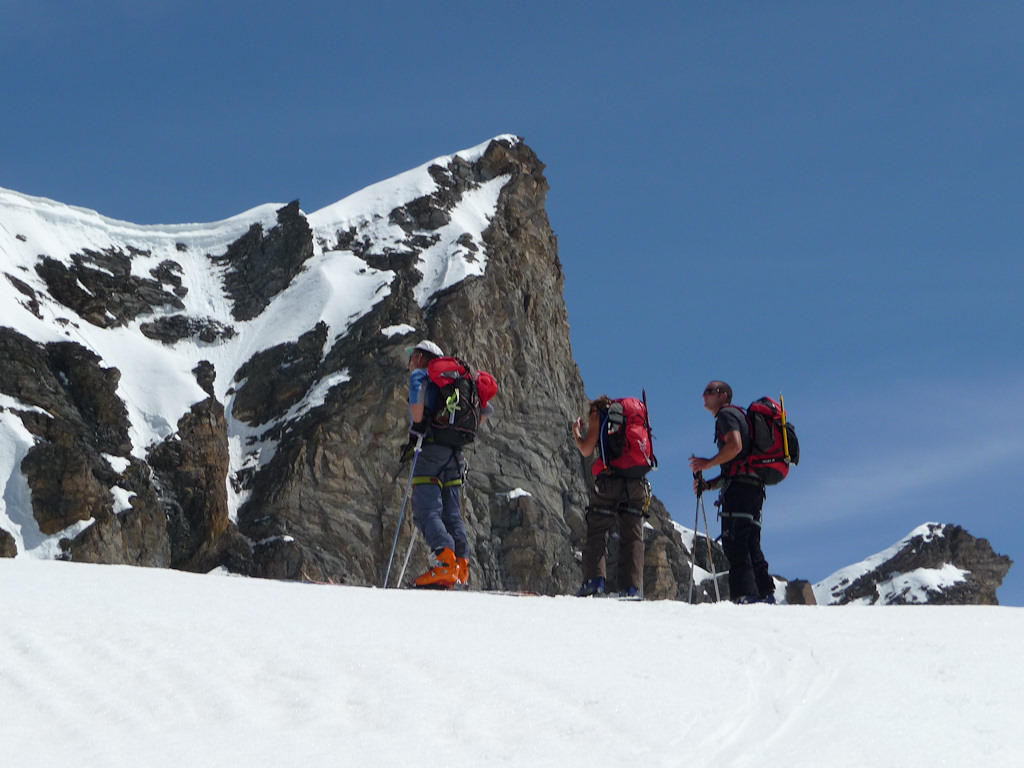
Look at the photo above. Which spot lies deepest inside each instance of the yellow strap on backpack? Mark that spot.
(785, 432)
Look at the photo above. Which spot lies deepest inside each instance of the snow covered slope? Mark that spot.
(116, 666)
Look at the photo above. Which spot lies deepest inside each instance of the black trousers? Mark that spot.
(741, 540)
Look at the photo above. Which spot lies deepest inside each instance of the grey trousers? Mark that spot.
(437, 498)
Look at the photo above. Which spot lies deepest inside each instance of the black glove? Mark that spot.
(416, 435)
(699, 485)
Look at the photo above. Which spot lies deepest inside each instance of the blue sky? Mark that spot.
(820, 198)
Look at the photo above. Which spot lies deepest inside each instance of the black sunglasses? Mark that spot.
(713, 391)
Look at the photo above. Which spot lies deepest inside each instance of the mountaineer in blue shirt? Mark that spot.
(437, 482)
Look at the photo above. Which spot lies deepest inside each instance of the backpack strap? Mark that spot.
(738, 465)
(600, 437)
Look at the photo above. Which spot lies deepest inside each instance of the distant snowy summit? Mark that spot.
(934, 563)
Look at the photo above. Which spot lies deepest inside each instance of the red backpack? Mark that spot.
(626, 445)
(773, 444)
(459, 396)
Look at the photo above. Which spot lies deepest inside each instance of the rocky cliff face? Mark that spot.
(235, 394)
(327, 505)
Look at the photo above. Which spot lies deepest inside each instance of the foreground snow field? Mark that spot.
(118, 666)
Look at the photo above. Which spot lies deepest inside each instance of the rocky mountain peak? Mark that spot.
(234, 394)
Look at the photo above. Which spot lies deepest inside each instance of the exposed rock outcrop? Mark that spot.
(74, 412)
(190, 469)
(81, 427)
(260, 266)
(800, 592)
(8, 546)
(101, 289)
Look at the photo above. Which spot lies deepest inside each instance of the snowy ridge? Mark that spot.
(157, 385)
(446, 262)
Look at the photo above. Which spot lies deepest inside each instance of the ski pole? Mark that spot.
(648, 494)
(412, 540)
(643, 562)
(401, 514)
(698, 476)
(711, 559)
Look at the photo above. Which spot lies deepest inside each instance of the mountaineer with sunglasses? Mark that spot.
(742, 495)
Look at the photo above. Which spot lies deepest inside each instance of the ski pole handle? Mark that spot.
(699, 486)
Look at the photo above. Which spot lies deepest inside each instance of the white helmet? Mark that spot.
(426, 346)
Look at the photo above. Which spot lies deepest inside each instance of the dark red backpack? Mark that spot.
(459, 396)
(773, 443)
(627, 445)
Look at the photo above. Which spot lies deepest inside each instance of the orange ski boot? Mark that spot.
(444, 574)
(463, 564)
